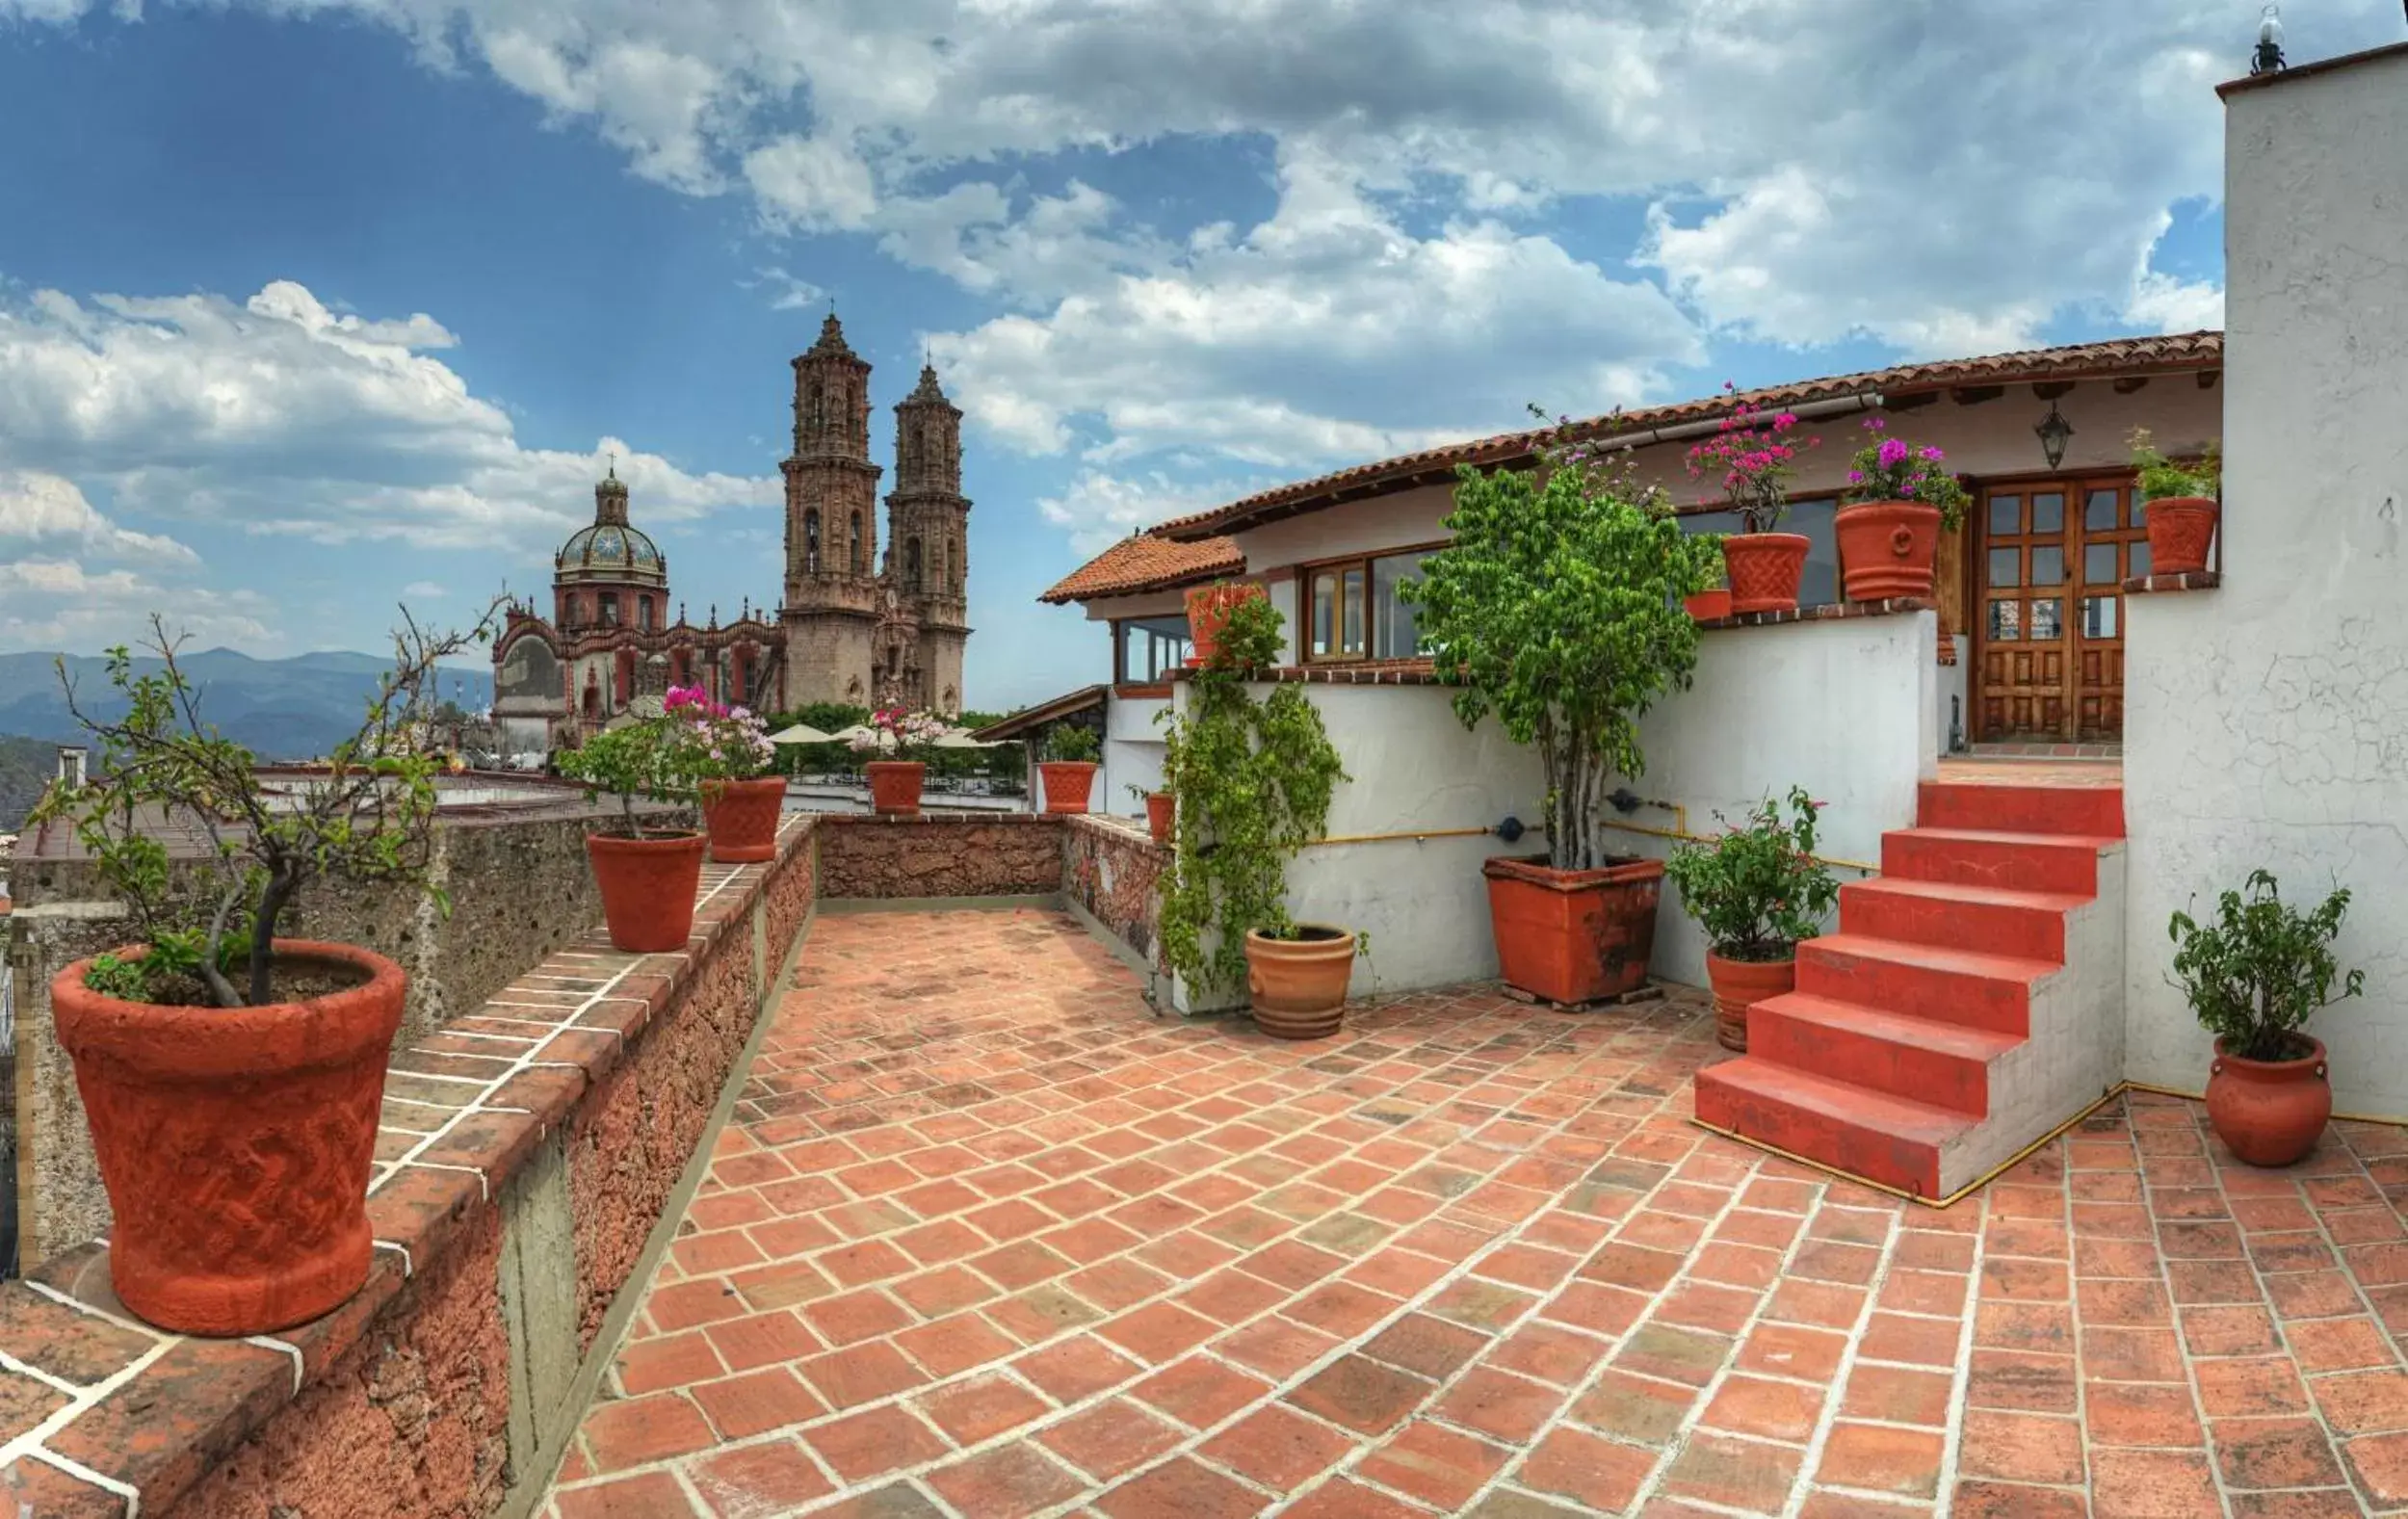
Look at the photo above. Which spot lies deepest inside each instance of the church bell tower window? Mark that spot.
(811, 542)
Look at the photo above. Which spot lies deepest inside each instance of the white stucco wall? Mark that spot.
(2265, 723)
(1133, 755)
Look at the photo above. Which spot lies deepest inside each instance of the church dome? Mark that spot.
(612, 549)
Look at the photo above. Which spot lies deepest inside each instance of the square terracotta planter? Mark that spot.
(1573, 936)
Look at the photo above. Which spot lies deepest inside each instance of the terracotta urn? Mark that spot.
(1741, 984)
(741, 817)
(1068, 784)
(894, 786)
(1764, 570)
(1208, 613)
(236, 1143)
(2181, 531)
(647, 887)
(2269, 1112)
(1162, 814)
(1886, 549)
(1573, 936)
(1299, 984)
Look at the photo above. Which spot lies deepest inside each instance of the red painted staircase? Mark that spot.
(1884, 1060)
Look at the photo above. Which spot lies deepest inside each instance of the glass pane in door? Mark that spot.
(2048, 564)
(2006, 513)
(2006, 567)
(2097, 564)
(2048, 511)
(2099, 511)
(2006, 621)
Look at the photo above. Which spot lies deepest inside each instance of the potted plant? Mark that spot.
(1252, 782)
(1709, 606)
(1559, 610)
(1749, 458)
(2182, 505)
(1070, 767)
(741, 796)
(1758, 891)
(2253, 976)
(1207, 611)
(1900, 500)
(232, 1077)
(647, 876)
(1161, 812)
(909, 738)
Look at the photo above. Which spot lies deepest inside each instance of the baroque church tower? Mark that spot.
(929, 534)
(832, 601)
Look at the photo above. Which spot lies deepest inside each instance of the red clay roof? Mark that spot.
(2135, 355)
(1148, 562)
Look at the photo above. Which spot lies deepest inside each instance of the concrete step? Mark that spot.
(2067, 863)
(2026, 924)
(1938, 1064)
(2081, 811)
(1854, 1129)
(1924, 980)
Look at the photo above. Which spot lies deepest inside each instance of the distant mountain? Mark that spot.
(279, 709)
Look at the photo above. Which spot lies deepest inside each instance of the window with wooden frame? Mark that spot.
(1352, 612)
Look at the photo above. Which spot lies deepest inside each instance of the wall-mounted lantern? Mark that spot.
(2054, 430)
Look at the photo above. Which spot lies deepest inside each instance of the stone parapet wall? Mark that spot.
(939, 855)
(511, 1208)
(1111, 870)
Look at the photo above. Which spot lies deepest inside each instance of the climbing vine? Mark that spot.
(1254, 781)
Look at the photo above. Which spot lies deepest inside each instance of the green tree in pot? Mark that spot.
(2253, 976)
(1070, 767)
(1252, 782)
(1758, 891)
(1558, 609)
(647, 872)
(233, 1077)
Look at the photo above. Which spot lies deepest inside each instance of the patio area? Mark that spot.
(987, 1238)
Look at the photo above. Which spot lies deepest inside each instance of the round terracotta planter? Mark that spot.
(1886, 549)
(1706, 605)
(2269, 1112)
(1299, 984)
(1573, 936)
(2181, 529)
(1161, 812)
(1764, 570)
(1068, 784)
(895, 785)
(1741, 984)
(742, 818)
(236, 1143)
(648, 888)
(1208, 613)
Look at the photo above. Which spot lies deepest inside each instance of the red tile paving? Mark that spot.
(987, 1239)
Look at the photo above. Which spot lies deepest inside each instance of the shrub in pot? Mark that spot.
(1558, 609)
(1748, 460)
(2253, 976)
(233, 1078)
(1070, 767)
(2182, 503)
(647, 876)
(1207, 612)
(1758, 891)
(741, 796)
(1901, 498)
(903, 740)
(1252, 781)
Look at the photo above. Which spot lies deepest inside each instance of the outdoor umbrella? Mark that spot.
(803, 733)
(961, 738)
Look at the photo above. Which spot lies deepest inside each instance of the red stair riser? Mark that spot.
(1966, 999)
(1909, 1164)
(1955, 1082)
(1992, 928)
(2091, 811)
(2031, 864)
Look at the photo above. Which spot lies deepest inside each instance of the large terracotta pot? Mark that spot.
(1162, 814)
(1741, 984)
(236, 1143)
(2270, 1113)
(1068, 784)
(742, 817)
(1706, 605)
(895, 785)
(1299, 984)
(1886, 549)
(2180, 528)
(648, 888)
(1573, 936)
(1208, 613)
(1764, 570)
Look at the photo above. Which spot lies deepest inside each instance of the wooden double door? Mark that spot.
(2050, 559)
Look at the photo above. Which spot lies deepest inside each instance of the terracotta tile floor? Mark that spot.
(988, 1240)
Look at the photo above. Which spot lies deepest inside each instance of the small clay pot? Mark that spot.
(1299, 984)
(648, 888)
(2181, 529)
(1068, 783)
(1741, 984)
(894, 786)
(742, 816)
(1764, 570)
(2269, 1112)
(1709, 606)
(1162, 813)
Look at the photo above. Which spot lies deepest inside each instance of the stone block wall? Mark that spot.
(1112, 870)
(941, 856)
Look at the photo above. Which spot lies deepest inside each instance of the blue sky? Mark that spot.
(309, 307)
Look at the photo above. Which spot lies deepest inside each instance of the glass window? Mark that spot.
(2006, 567)
(610, 608)
(2048, 511)
(1151, 648)
(2048, 564)
(1394, 634)
(1324, 614)
(2139, 560)
(2006, 621)
(1351, 586)
(2098, 616)
(2097, 564)
(2048, 619)
(2099, 512)
(2006, 513)
(643, 613)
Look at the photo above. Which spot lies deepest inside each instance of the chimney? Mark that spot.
(71, 767)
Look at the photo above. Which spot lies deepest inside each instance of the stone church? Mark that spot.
(858, 622)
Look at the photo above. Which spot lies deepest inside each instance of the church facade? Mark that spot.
(859, 621)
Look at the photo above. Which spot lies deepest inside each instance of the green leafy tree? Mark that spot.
(2256, 973)
(161, 765)
(1254, 781)
(1758, 890)
(1558, 608)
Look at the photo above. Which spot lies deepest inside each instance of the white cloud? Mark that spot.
(1098, 510)
(58, 603)
(47, 508)
(811, 184)
(424, 589)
